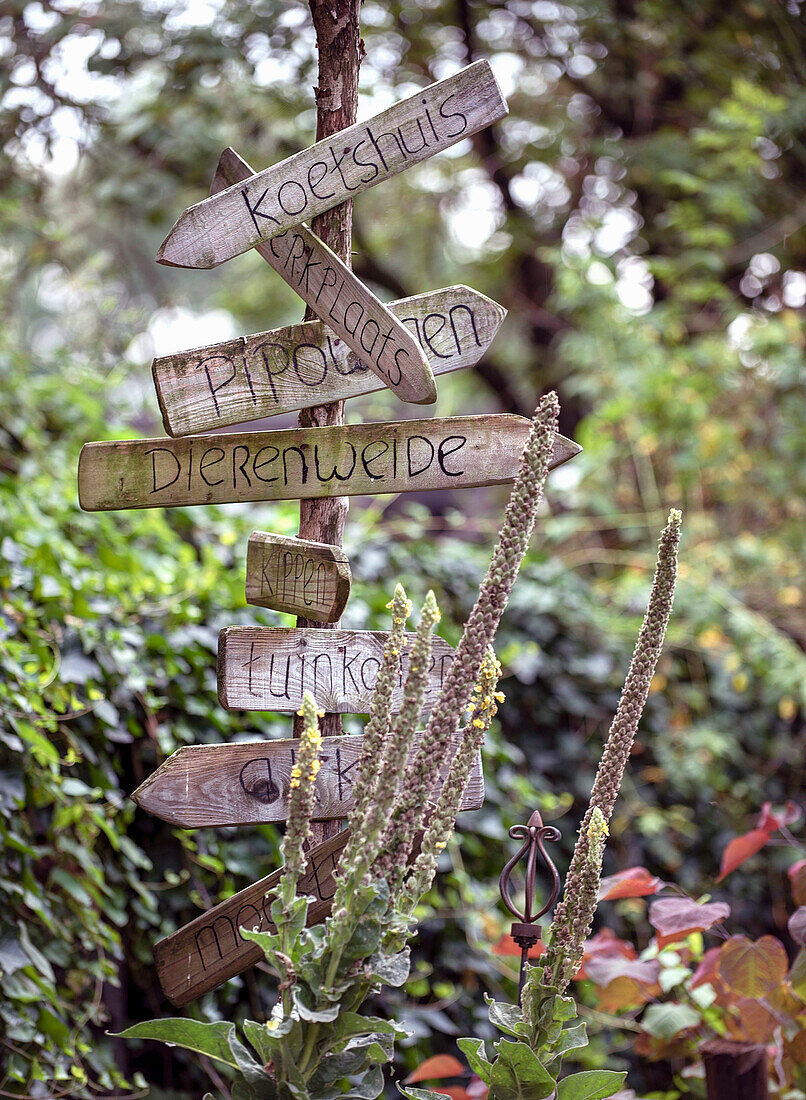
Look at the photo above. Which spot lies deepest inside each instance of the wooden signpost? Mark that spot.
(297, 576)
(298, 463)
(303, 365)
(342, 301)
(358, 346)
(210, 949)
(248, 783)
(335, 170)
(270, 668)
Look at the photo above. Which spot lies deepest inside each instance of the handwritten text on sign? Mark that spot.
(300, 463)
(246, 784)
(305, 578)
(210, 949)
(267, 668)
(301, 365)
(335, 169)
(341, 300)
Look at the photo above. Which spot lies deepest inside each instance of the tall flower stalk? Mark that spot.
(521, 513)
(481, 711)
(573, 917)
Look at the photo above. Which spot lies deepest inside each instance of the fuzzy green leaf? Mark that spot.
(474, 1051)
(518, 1073)
(212, 1039)
(591, 1084)
(507, 1018)
(664, 1021)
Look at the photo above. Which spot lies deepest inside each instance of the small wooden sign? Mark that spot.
(342, 301)
(335, 169)
(210, 949)
(305, 578)
(270, 668)
(211, 786)
(302, 365)
(405, 456)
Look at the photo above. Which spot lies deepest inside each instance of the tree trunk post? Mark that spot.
(340, 49)
(735, 1071)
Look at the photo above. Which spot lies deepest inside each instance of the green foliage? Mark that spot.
(677, 350)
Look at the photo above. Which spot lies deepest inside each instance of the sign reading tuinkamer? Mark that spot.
(299, 463)
(335, 169)
(270, 668)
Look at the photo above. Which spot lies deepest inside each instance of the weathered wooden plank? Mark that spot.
(298, 576)
(335, 169)
(270, 668)
(298, 463)
(210, 786)
(302, 365)
(210, 949)
(341, 300)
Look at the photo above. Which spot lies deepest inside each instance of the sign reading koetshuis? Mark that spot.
(334, 170)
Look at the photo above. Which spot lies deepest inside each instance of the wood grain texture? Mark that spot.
(210, 949)
(297, 576)
(340, 299)
(302, 365)
(211, 786)
(391, 457)
(270, 668)
(335, 169)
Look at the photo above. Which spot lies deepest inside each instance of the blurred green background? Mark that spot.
(641, 214)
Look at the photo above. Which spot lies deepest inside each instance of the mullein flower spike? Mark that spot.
(388, 758)
(391, 792)
(301, 799)
(422, 771)
(480, 712)
(380, 715)
(573, 917)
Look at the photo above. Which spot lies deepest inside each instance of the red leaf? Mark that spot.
(635, 882)
(605, 944)
(603, 971)
(740, 849)
(797, 881)
(706, 974)
(751, 1021)
(753, 968)
(797, 926)
(507, 946)
(441, 1065)
(774, 821)
(676, 918)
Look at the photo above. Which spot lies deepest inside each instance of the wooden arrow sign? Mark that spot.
(270, 668)
(335, 169)
(305, 578)
(406, 456)
(342, 301)
(302, 365)
(210, 949)
(248, 784)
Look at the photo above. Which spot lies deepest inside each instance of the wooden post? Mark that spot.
(735, 1071)
(340, 49)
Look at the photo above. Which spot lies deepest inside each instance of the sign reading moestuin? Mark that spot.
(300, 463)
(210, 949)
(271, 668)
(203, 786)
(342, 301)
(306, 364)
(335, 169)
